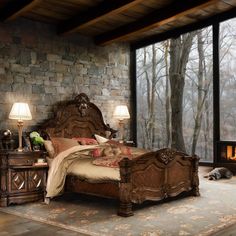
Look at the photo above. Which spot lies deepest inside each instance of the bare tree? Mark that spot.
(167, 96)
(179, 54)
(202, 90)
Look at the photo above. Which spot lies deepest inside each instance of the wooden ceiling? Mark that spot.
(109, 21)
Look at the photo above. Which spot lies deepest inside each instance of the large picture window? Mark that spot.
(174, 94)
(227, 80)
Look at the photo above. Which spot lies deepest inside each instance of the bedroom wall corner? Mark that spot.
(39, 67)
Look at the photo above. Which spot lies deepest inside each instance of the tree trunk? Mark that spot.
(200, 91)
(179, 54)
(153, 97)
(167, 96)
(207, 129)
(203, 88)
(145, 133)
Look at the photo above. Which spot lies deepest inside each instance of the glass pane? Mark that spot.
(174, 94)
(227, 80)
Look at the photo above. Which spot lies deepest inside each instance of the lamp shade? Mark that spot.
(20, 111)
(121, 112)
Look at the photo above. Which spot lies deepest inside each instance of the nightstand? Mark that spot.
(21, 180)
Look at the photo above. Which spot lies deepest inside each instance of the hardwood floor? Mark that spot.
(15, 225)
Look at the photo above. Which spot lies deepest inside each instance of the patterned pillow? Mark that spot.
(62, 144)
(124, 149)
(85, 141)
(107, 162)
(111, 149)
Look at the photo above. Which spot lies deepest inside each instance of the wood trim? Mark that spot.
(17, 8)
(154, 20)
(133, 101)
(184, 29)
(95, 14)
(216, 90)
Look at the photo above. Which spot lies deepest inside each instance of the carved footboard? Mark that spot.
(156, 176)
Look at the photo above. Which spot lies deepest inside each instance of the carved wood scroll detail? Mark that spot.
(77, 118)
(167, 155)
(82, 102)
(156, 175)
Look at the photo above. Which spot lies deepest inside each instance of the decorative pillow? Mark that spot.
(124, 149)
(106, 150)
(97, 152)
(111, 149)
(49, 148)
(62, 144)
(100, 139)
(107, 162)
(85, 141)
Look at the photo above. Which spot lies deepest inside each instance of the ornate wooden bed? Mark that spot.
(152, 176)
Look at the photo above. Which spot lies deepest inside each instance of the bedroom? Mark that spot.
(42, 68)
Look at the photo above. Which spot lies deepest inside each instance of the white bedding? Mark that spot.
(84, 169)
(77, 161)
(58, 168)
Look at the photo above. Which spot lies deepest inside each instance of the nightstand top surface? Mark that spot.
(16, 153)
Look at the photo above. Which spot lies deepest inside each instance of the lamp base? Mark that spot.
(121, 124)
(19, 149)
(20, 127)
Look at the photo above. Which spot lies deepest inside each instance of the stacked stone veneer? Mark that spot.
(41, 68)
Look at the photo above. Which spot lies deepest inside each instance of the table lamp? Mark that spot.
(121, 113)
(20, 111)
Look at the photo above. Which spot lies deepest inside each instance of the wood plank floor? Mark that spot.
(15, 225)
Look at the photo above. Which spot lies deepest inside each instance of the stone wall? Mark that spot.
(41, 68)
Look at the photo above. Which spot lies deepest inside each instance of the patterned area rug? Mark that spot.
(214, 210)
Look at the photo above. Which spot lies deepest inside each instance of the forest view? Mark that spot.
(175, 92)
(228, 80)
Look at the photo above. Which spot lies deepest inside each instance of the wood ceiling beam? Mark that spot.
(153, 20)
(184, 29)
(16, 8)
(95, 14)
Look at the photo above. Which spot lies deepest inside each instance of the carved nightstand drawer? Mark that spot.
(21, 161)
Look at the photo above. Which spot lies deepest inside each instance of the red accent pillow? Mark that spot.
(86, 141)
(97, 152)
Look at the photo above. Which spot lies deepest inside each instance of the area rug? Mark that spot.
(214, 210)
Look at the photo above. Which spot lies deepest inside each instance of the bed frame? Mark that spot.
(152, 176)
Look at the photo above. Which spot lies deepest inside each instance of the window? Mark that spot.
(174, 94)
(227, 80)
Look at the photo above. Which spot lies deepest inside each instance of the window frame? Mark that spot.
(215, 23)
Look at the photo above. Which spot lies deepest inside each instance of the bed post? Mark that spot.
(125, 204)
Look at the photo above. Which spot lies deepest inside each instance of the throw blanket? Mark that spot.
(68, 158)
(59, 166)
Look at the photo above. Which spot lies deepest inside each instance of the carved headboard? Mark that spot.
(77, 118)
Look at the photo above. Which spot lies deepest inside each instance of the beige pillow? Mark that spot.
(62, 144)
(100, 139)
(49, 147)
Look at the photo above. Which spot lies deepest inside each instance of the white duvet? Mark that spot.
(76, 161)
